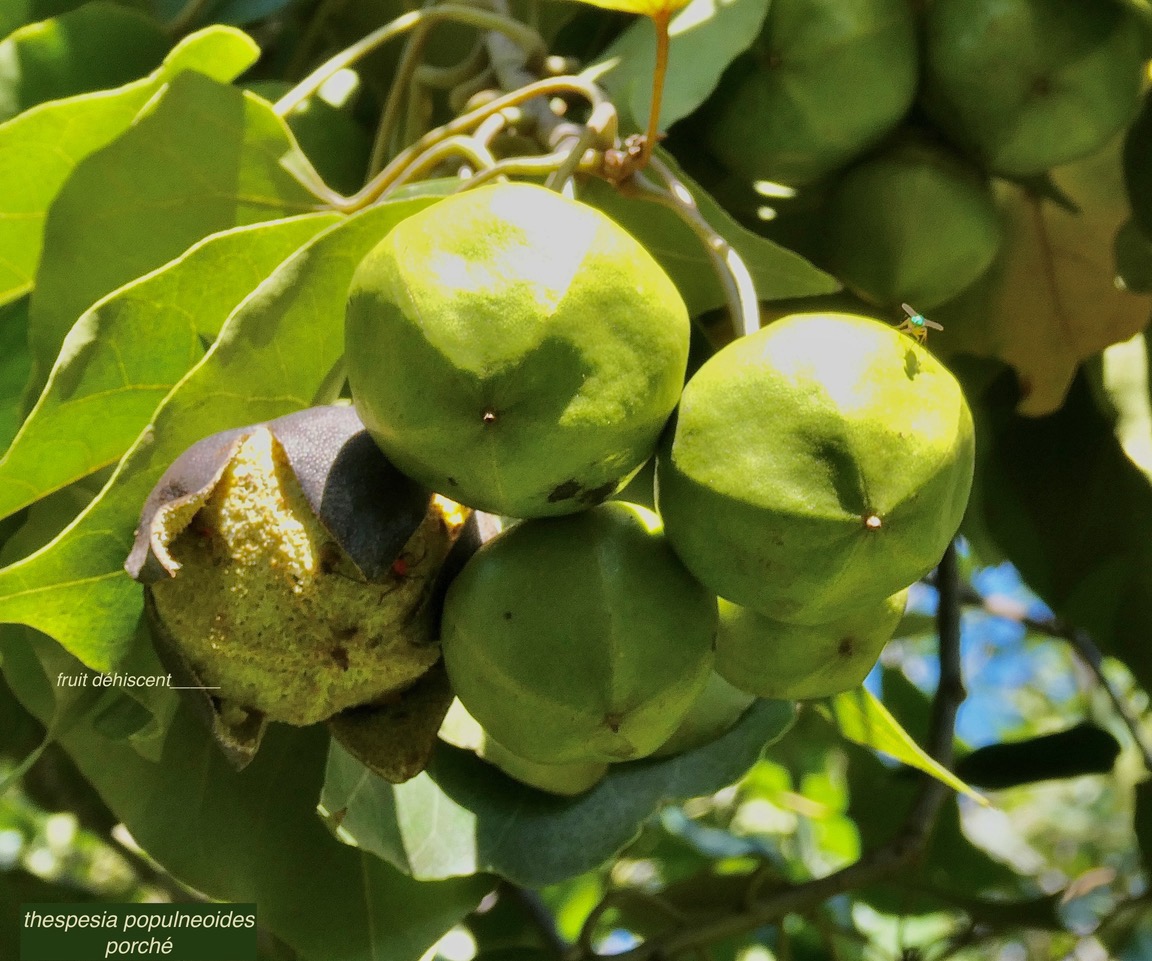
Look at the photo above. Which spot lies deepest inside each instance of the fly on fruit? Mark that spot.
(916, 324)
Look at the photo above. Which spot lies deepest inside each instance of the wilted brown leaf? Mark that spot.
(1053, 298)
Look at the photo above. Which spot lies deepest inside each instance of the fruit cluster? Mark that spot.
(883, 126)
(518, 353)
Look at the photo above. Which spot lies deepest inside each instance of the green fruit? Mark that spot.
(794, 662)
(461, 730)
(291, 567)
(1030, 84)
(913, 225)
(715, 711)
(818, 463)
(515, 350)
(579, 639)
(829, 79)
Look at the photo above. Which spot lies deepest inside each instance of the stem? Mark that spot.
(383, 181)
(731, 271)
(660, 20)
(473, 16)
(475, 153)
(1088, 651)
(1091, 655)
(405, 71)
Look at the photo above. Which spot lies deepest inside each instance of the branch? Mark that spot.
(1084, 646)
(900, 854)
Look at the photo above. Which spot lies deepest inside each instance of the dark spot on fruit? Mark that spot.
(346, 633)
(597, 494)
(507, 615)
(1042, 86)
(563, 492)
(613, 721)
(339, 654)
(453, 482)
(489, 416)
(846, 646)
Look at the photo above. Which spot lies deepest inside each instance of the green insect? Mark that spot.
(916, 325)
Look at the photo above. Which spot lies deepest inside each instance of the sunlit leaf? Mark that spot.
(862, 719)
(462, 815)
(75, 589)
(126, 352)
(40, 148)
(1126, 379)
(202, 157)
(98, 46)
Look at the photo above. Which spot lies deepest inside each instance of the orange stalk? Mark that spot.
(660, 20)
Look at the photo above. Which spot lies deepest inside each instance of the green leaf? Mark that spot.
(127, 352)
(776, 272)
(40, 148)
(18, 13)
(249, 836)
(271, 356)
(462, 815)
(706, 36)
(15, 361)
(98, 46)
(202, 157)
(864, 720)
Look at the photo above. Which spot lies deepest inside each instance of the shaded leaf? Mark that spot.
(777, 273)
(1083, 749)
(126, 352)
(864, 720)
(98, 46)
(1070, 509)
(1133, 252)
(463, 815)
(15, 361)
(40, 148)
(245, 837)
(1142, 821)
(1052, 300)
(201, 158)
(270, 358)
(706, 36)
(18, 13)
